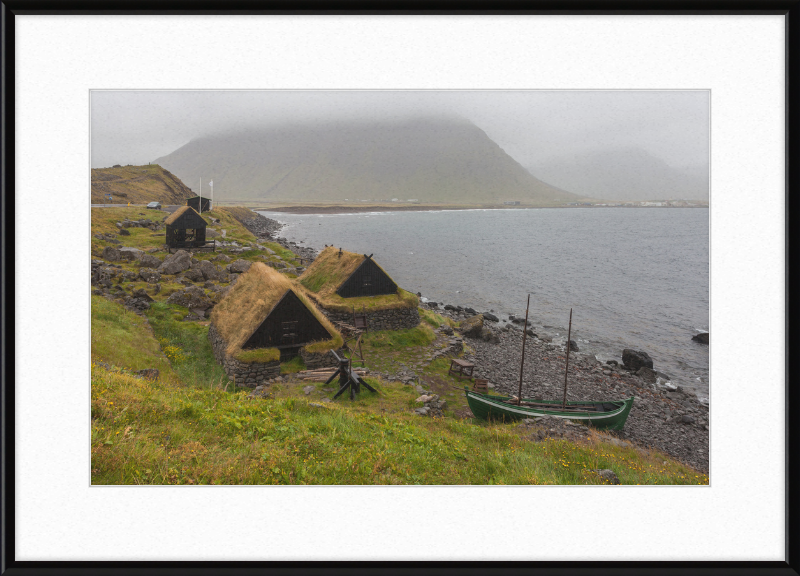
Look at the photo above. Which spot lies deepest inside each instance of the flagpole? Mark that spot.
(212, 194)
(201, 194)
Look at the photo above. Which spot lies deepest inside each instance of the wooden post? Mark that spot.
(522, 362)
(569, 335)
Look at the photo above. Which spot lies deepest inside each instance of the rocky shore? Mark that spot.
(664, 417)
(266, 228)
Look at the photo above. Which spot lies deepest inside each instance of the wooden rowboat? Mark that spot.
(601, 414)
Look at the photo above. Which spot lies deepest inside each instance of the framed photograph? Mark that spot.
(237, 390)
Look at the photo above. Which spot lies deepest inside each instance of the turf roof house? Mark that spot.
(266, 319)
(341, 281)
(185, 229)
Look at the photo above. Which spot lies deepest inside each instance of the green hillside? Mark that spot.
(138, 185)
(429, 160)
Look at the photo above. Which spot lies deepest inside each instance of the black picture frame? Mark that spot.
(8, 563)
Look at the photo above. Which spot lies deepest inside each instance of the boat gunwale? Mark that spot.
(524, 410)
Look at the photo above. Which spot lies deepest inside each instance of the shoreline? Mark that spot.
(338, 209)
(666, 417)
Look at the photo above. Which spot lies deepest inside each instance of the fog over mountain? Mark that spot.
(624, 174)
(429, 159)
(613, 144)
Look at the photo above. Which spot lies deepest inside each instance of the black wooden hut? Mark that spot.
(199, 203)
(368, 279)
(263, 311)
(185, 229)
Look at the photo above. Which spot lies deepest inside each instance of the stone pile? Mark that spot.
(433, 406)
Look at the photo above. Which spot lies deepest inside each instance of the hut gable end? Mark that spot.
(185, 218)
(199, 203)
(290, 323)
(368, 279)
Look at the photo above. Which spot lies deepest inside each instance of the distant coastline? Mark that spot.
(353, 209)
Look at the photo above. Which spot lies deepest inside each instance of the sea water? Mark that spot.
(634, 277)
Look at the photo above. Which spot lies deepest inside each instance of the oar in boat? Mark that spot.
(522, 362)
(566, 370)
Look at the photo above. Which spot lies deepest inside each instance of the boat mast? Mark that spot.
(569, 335)
(522, 362)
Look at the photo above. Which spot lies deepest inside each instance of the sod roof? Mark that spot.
(180, 212)
(328, 272)
(252, 299)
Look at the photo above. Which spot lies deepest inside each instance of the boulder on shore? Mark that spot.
(635, 359)
(647, 374)
(472, 326)
(491, 317)
(702, 338)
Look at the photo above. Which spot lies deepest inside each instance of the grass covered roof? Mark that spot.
(252, 299)
(180, 212)
(329, 271)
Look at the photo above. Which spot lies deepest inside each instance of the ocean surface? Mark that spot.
(634, 277)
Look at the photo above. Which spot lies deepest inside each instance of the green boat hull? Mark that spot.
(611, 415)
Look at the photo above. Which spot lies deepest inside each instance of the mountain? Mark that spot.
(624, 174)
(430, 160)
(139, 185)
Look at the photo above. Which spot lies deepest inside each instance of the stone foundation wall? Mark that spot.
(246, 374)
(314, 360)
(395, 319)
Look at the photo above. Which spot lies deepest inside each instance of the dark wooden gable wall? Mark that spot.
(367, 280)
(189, 219)
(197, 202)
(289, 323)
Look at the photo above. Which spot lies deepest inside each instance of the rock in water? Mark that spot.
(491, 317)
(702, 338)
(635, 359)
(472, 326)
(573, 346)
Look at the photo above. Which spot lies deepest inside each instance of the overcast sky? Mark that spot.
(136, 127)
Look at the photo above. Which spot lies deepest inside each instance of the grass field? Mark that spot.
(194, 426)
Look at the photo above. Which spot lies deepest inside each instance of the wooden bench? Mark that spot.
(461, 368)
